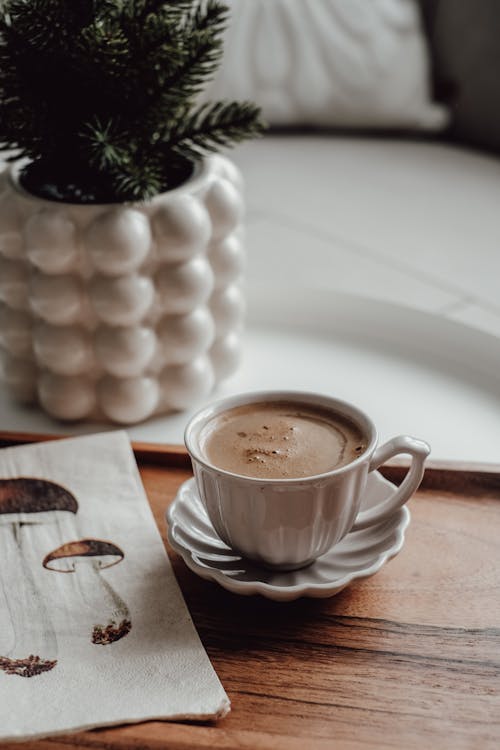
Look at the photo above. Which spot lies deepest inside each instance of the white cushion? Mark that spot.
(344, 63)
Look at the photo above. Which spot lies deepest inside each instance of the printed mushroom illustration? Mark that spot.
(86, 558)
(26, 502)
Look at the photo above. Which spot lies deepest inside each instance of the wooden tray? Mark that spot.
(409, 658)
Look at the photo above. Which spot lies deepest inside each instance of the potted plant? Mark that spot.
(120, 242)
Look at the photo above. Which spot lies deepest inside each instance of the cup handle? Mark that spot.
(418, 450)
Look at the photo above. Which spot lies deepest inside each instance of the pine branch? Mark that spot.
(210, 15)
(215, 125)
(139, 182)
(48, 24)
(202, 38)
(140, 9)
(107, 146)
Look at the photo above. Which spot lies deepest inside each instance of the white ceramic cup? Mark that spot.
(287, 523)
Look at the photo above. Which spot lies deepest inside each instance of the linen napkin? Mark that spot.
(93, 627)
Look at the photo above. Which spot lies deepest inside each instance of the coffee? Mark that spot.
(281, 440)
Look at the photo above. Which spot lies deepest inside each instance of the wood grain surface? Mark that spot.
(409, 658)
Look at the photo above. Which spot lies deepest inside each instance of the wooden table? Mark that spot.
(409, 658)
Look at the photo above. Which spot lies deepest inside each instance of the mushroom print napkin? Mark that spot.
(93, 627)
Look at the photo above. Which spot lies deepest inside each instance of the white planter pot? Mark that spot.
(122, 311)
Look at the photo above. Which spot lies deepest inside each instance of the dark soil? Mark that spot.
(85, 187)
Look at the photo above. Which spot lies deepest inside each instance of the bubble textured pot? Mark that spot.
(122, 311)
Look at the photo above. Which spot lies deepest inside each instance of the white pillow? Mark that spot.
(343, 63)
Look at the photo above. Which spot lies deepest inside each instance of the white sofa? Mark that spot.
(408, 221)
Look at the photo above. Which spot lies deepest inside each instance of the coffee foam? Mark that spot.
(281, 440)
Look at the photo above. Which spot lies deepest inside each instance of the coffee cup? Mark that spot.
(283, 520)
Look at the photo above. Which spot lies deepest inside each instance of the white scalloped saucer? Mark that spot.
(359, 555)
